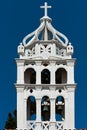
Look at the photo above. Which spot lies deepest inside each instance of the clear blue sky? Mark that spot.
(20, 17)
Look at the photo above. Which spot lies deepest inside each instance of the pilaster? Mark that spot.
(20, 71)
(25, 113)
(71, 107)
(70, 71)
(20, 106)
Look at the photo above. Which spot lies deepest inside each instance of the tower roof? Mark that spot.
(44, 37)
(45, 31)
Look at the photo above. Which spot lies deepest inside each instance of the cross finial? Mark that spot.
(45, 8)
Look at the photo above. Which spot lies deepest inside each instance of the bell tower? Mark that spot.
(45, 79)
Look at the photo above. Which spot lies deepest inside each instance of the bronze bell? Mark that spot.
(45, 108)
(60, 105)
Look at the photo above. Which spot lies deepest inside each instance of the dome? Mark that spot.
(45, 35)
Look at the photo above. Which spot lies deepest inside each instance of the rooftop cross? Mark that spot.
(45, 8)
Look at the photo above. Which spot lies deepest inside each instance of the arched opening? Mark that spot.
(30, 76)
(60, 108)
(31, 108)
(45, 108)
(61, 76)
(45, 76)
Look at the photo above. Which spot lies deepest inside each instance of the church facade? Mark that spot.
(45, 79)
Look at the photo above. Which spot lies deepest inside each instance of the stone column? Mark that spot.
(52, 79)
(38, 114)
(52, 76)
(52, 114)
(52, 110)
(38, 72)
(38, 109)
(38, 77)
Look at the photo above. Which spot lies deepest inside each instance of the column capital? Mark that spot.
(20, 89)
(20, 62)
(71, 88)
(52, 62)
(38, 63)
(52, 88)
(38, 88)
(71, 62)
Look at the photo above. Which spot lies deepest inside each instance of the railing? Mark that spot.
(59, 129)
(31, 125)
(59, 125)
(45, 125)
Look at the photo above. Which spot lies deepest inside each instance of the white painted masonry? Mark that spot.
(45, 79)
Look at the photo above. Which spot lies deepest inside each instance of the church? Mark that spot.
(45, 79)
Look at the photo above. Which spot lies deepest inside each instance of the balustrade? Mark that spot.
(45, 125)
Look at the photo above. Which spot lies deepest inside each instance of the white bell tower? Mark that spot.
(45, 79)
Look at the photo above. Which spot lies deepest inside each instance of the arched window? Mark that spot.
(31, 108)
(45, 108)
(60, 108)
(30, 76)
(61, 76)
(45, 76)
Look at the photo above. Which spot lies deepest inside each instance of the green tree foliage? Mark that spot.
(11, 122)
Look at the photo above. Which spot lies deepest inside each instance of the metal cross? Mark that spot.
(45, 8)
